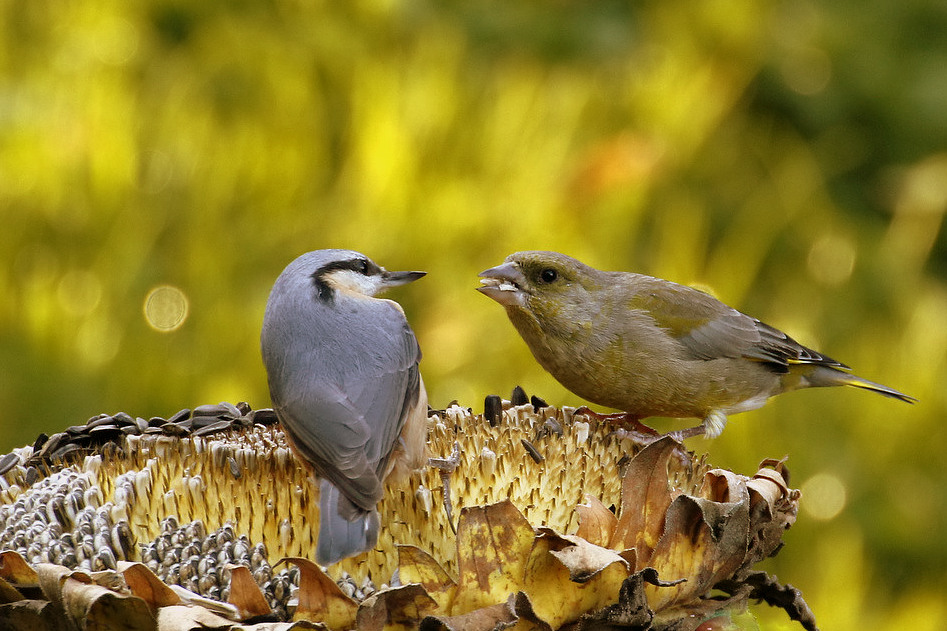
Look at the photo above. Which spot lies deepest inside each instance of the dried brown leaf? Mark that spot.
(773, 507)
(92, 606)
(567, 576)
(777, 465)
(417, 566)
(526, 617)
(493, 544)
(146, 585)
(583, 560)
(185, 618)
(720, 485)
(630, 557)
(320, 599)
(30, 615)
(630, 612)
(14, 569)
(490, 618)
(51, 578)
(516, 614)
(9, 593)
(645, 497)
(225, 610)
(395, 609)
(769, 486)
(704, 542)
(245, 594)
(596, 522)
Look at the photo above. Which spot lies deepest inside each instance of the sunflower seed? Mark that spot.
(8, 461)
(180, 415)
(532, 451)
(213, 428)
(493, 409)
(263, 416)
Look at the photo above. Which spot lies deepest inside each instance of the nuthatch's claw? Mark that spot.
(446, 467)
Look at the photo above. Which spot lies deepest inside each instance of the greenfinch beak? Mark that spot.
(504, 284)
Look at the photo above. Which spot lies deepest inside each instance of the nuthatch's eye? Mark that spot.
(362, 267)
(548, 275)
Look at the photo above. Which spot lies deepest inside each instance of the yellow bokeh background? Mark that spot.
(790, 157)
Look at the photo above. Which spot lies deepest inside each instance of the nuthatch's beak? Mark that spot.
(395, 279)
(504, 284)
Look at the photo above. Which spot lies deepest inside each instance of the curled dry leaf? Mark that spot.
(185, 618)
(95, 607)
(583, 560)
(8, 593)
(245, 594)
(222, 609)
(493, 545)
(320, 599)
(596, 522)
(395, 609)
(515, 614)
(51, 578)
(499, 616)
(645, 497)
(146, 585)
(91, 605)
(30, 615)
(567, 576)
(417, 566)
(15, 570)
(631, 612)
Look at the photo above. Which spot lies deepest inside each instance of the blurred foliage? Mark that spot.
(789, 156)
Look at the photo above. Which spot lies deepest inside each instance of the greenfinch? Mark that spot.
(651, 347)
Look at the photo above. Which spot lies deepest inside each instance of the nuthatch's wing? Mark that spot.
(343, 378)
(348, 429)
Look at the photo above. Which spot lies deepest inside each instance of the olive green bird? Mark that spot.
(650, 347)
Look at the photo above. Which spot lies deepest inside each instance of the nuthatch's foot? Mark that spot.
(446, 467)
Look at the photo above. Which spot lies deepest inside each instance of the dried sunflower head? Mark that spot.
(560, 519)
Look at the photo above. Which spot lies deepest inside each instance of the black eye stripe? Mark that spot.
(357, 265)
(360, 266)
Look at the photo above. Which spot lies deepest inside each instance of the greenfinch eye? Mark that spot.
(548, 275)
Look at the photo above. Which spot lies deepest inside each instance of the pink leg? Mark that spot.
(629, 426)
(681, 434)
(625, 421)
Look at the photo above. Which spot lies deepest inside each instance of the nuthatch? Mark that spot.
(650, 347)
(342, 368)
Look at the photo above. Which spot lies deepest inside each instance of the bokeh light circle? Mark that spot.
(824, 496)
(166, 308)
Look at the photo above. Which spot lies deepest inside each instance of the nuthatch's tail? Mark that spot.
(827, 376)
(340, 538)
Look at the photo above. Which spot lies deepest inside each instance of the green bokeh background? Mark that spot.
(791, 157)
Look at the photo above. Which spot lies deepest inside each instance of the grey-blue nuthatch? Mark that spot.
(342, 368)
